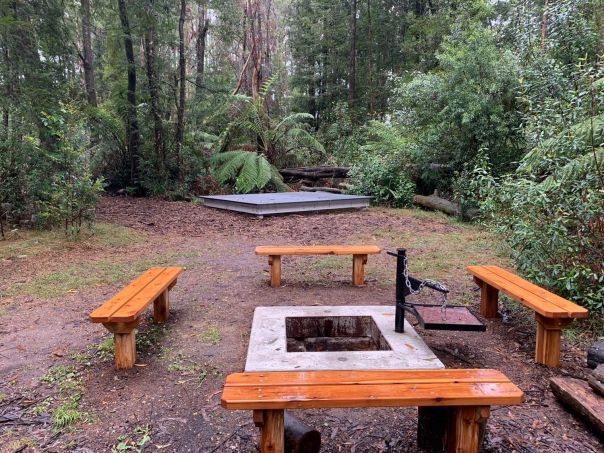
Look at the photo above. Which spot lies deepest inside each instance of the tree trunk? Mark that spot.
(544, 24)
(202, 31)
(352, 71)
(370, 56)
(158, 129)
(88, 54)
(132, 121)
(180, 113)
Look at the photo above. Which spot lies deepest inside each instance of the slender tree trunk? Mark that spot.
(158, 129)
(180, 113)
(88, 54)
(352, 72)
(544, 24)
(370, 44)
(132, 121)
(202, 31)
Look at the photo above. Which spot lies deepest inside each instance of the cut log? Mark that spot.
(320, 189)
(578, 398)
(299, 437)
(596, 380)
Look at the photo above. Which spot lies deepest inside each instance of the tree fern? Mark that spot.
(249, 171)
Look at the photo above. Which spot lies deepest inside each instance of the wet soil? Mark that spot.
(175, 388)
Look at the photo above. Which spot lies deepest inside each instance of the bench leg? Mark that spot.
(489, 298)
(272, 430)
(547, 348)
(275, 263)
(124, 338)
(358, 269)
(161, 307)
(466, 428)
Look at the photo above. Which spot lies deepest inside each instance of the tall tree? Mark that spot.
(88, 54)
(132, 130)
(182, 73)
(150, 48)
(352, 71)
(200, 47)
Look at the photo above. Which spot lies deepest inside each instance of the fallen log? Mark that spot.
(437, 203)
(577, 396)
(314, 173)
(320, 189)
(299, 437)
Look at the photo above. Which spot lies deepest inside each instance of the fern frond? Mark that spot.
(294, 119)
(228, 164)
(576, 168)
(248, 175)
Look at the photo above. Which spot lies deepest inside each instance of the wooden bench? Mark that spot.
(458, 401)
(359, 257)
(122, 313)
(552, 312)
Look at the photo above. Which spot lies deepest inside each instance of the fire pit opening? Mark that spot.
(334, 333)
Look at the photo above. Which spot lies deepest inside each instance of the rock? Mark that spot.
(595, 354)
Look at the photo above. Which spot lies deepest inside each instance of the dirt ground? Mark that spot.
(60, 392)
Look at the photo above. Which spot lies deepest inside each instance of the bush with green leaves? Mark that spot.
(383, 180)
(250, 171)
(50, 183)
(551, 210)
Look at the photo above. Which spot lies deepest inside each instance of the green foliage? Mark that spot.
(250, 171)
(386, 182)
(466, 105)
(136, 443)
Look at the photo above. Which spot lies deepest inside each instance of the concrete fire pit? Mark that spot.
(334, 338)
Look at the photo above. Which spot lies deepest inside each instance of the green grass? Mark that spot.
(85, 275)
(37, 242)
(210, 335)
(68, 413)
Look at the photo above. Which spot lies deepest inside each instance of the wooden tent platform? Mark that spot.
(262, 204)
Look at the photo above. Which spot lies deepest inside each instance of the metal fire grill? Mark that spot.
(429, 316)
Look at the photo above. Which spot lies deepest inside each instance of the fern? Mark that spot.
(249, 171)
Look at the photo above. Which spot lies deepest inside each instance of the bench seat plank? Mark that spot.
(527, 293)
(574, 310)
(127, 305)
(317, 250)
(317, 394)
(382, 377)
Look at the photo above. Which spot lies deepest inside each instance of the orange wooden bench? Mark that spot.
(359, 257)
(552, 312)
(463, 397)
(121, 314)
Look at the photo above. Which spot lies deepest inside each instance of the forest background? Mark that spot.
(498, 105)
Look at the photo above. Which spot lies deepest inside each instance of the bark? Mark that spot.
(544, 25)
(577, 396)
(180, 113)
(352, 71)
(154, 94)
(88, 54)
(370, 62)
(132, 120)
(202, 31)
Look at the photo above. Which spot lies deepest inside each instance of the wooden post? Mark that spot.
(161, 307)
(489, 298)
(358, 269)
(466, 428)
(547, 348)
(124, 337)
(272, 437)
(275, 262)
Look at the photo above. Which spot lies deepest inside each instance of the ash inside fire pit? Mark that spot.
(334, 333)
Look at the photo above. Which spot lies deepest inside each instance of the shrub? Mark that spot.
(383, 180)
